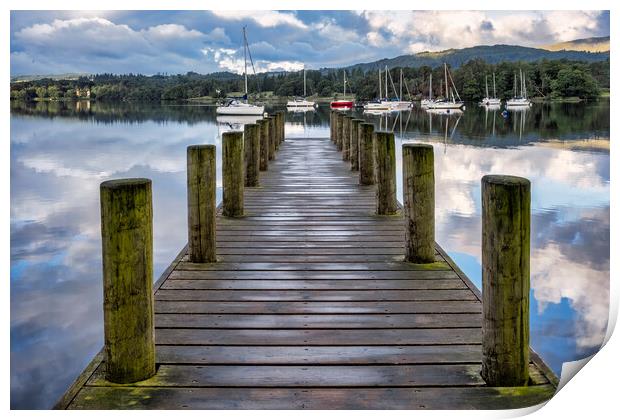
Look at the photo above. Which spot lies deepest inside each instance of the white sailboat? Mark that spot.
(452, 100)
(521, 100)
(241, 107)
(427, 102)
(384, 104)
(487, 100)
(301, 102)
(380, 105)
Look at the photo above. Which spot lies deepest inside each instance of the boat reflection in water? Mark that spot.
(236, 122)
(300, 109)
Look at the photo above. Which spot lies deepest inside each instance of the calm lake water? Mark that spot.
(60, 153)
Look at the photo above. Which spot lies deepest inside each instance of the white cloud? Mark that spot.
(437, 30)
(264, 18)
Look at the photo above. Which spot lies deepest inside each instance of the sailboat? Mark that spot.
(452, 100)
(490, 101)
(380, 105)
(301, 102)
(428, 101)
(521, 100)
(342, 103)
(233, 106)
(399, 103)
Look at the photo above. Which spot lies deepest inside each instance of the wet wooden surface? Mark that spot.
(310, 306)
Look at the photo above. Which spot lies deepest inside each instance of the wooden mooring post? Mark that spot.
(366, 153)
(354, 151)
(201, 207)
(332, 125)
(264, 144)
(232, 174)
(339, 128)
(419, 202)
(282, 126)
(505, 280)
(278, 122)
(346, 137)
(273, 136)
(251, 144)
(127, 253)
(385, 159)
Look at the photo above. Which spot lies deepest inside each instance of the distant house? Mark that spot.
(83, 93)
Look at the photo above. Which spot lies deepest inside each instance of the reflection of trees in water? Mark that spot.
(541, 121)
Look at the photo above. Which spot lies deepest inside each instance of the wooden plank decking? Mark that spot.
(310, 305)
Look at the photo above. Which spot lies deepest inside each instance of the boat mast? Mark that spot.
(430, 86)
(304, 82)
(494, 94)
(380, 93)
(486, 85)
(245, 62)
(445, 72)
(401, 85)
(514, 85)
(386, 85)
(344, 92)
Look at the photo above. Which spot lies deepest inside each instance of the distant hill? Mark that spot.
(63, 76)
(491, 54)
(597, 44)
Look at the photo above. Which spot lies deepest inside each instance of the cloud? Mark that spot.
(264, 18)
(152, 42)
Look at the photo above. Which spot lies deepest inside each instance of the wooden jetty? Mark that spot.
(311, 305)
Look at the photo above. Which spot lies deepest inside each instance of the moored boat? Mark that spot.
(234, 106)
(343, 103)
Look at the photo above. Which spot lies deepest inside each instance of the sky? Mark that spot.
(151, 42)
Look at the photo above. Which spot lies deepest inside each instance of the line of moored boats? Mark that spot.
(446, 102)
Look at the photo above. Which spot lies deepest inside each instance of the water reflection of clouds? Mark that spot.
(55, 238)
(570, 225)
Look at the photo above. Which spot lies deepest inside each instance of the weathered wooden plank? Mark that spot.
(308, 376)
(318, 337)
(310, 296)
(434, 284)
(312, 275)
(409, 398)
(402, 267)
(424, 307)
(318, 355)
(318, 321)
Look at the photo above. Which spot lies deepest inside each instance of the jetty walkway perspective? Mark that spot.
(312, 301)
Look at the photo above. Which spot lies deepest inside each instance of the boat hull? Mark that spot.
(446, 105)
(240, 110)
(341, 104)
(300, 104)
(491, 101)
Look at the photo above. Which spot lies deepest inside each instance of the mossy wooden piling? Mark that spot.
(339, 129)
(311, 305)
(346, 137)
(419, 202)
(505, 280)
(385, 172)
(264, 144)
(278, 116)
(127, 254)
(354, 154)
(273, 136)
(232, 174)
(251, 144)
(367, 154)
(201, 185)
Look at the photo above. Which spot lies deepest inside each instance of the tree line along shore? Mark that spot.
(545, 80)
